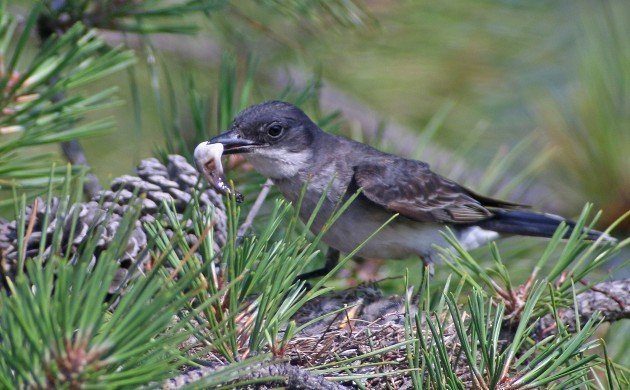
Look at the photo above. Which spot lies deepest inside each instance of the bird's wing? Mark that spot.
(411, 189)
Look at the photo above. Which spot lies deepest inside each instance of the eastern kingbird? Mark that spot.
(283, 144)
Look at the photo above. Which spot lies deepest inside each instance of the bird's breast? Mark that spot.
(399, 239)
(278, 163)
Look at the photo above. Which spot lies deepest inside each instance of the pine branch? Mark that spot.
(610, 300)
(296, 377)
(35, 108)
(143, 17)
(74, 153)
(59, 329)
(276, 374)
(262, 195)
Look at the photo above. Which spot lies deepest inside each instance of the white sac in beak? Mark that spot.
(208, 159)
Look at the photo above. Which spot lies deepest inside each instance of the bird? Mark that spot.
(283, 144)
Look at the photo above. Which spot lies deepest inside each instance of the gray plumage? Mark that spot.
(283, 144)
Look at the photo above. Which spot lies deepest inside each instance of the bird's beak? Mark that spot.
(233, 143)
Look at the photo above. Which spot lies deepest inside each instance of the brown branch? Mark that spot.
(74, 153)
(296, 377)
(611, 299)
(292, 377)
(262, 195)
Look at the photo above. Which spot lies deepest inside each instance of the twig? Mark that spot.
(296, 377)
(254, 210)
(74, 153)
(293, 377)
(611, 299)
(619, 300)
(29, 233)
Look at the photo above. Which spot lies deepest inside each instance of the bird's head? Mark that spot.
(275, 136)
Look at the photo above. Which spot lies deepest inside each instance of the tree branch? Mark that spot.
(262, 195)
(293, 377)
(74, 153)
(296, 377)
(611, 299)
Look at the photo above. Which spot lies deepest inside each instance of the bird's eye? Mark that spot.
(275, 131)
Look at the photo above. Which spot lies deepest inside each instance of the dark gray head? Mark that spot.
(272, 124)
(274, 135)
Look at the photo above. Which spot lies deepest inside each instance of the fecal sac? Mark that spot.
(208, 159)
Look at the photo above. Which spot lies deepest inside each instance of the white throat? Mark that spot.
(278, 163)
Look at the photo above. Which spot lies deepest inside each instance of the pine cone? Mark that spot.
(154, 183)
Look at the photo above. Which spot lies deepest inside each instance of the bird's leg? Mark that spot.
(332, 259)
(429, 265)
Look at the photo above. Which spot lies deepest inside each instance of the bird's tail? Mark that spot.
(529, 223)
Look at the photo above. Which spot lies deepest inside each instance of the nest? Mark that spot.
(369, 322)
